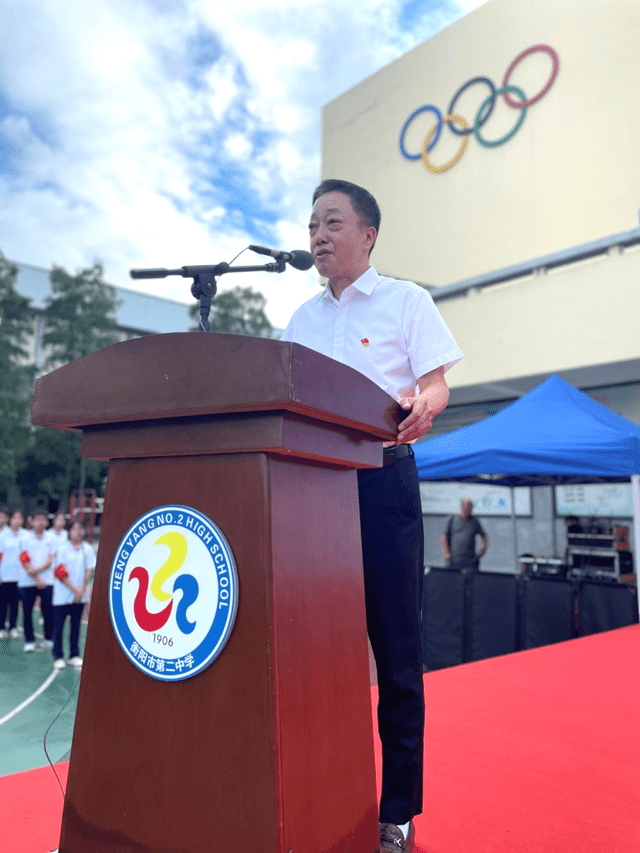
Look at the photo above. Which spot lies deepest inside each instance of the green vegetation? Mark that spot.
(239, 311)
(42, 466)
(16, 377)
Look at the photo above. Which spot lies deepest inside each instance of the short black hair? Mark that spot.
(363, 202)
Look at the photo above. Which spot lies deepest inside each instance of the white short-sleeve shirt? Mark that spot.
(76, 561)
(59, 537)
(389, 330)
(11, 546)
(39, 550)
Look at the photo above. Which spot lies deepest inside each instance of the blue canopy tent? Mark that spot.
(554, 434)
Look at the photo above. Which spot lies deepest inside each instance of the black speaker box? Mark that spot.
(443, 618)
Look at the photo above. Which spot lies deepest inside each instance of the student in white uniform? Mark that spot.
(74, 563)
(58, 530)
(37, 579)
(11, 546)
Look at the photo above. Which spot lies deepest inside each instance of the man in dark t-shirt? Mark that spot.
(459, 539)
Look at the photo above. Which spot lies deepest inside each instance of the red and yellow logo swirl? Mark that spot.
(150, 620)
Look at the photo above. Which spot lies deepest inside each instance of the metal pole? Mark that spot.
(554, 535)
(83, 477)
(635, 502)
(515, 528)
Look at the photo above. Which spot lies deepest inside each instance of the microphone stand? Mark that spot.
(204, 284)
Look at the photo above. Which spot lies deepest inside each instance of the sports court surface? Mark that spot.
(32, 694)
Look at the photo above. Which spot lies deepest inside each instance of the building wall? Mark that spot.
(569, 175)
(587, 313)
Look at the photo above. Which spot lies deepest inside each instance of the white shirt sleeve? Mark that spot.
(429, 342)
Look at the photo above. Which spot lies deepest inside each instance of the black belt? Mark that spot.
(390, 455)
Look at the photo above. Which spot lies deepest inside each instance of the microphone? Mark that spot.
(298, 259)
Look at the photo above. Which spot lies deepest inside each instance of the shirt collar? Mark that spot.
(365, 284)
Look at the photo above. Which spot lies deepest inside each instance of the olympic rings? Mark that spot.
(461, 127)
(554, 73)
(446, 166)
(432, 109)
(491, 98)
(478, 121)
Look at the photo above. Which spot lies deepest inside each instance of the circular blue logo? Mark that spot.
(173, 592)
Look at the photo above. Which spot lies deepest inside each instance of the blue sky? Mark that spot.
(171, 132)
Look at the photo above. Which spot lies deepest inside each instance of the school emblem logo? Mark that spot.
(173, 592)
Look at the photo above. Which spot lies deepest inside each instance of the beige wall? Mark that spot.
(569, 175)
(582, 313)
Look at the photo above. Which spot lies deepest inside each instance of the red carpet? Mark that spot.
(536, 752)
(31, 809)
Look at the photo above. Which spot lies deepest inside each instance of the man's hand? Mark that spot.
(422, 409)
(419, 418)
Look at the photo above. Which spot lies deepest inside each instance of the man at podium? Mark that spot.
(392, 332)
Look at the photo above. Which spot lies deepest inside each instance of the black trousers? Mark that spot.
(29, 595)
(393, 558)
(9, 598)
(60, 613)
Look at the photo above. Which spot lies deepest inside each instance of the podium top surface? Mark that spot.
(187, 374)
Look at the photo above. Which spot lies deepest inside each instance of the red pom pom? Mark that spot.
(25, 559)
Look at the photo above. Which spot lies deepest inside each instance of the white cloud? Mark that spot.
(238, 146)
(222, 89)
(161, 134)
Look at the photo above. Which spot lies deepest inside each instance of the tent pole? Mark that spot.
(635, 502)
(554, 535)
(515, 529)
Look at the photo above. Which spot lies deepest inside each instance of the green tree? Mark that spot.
(50, 468)
(80, 314)
(80, 319)
(239, 311)
(17, 325)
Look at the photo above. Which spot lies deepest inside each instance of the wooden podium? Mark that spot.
(270, 748)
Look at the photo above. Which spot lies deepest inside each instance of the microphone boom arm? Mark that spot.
(204, 284)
